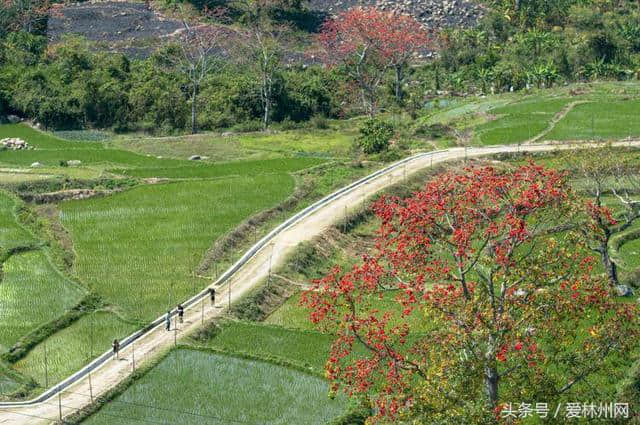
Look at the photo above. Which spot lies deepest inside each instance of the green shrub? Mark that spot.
(375, 135)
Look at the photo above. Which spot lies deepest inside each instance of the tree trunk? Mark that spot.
(491, 384)
(194, 94)
(610, 266)
(265, 119)
(399, 79)
(491, 376)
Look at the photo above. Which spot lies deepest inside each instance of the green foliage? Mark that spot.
(535, 43)
(245, 168)
(375, 135)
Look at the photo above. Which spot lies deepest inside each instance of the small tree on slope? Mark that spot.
(491, 305)
(193, 52)
(607, 176)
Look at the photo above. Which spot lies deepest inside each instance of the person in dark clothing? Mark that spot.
(180, 312)
(212, 294)
(167, 320)
(116, 348)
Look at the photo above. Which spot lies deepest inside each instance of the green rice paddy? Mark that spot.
(139, 248)
(33, 293)
(599, 120)
(194, 387)
(515, 123)
(71, 348)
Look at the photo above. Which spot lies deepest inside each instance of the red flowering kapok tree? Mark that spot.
(369, 42)
(472, 299)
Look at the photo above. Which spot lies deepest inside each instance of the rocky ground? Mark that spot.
(434, 14)
(128, 27)
(136, 29)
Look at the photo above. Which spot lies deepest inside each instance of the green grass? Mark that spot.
(599, 120)
(304, 348)
(193, 387)
(518, 122)
(139, 248)
(33, 292)
(244, 168)
(104, 157)
(311, 142)
(69, 349)
(630, 254)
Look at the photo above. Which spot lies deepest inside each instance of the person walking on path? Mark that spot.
(212, 294)
(180, 313)
(167, 321)
(116, 348)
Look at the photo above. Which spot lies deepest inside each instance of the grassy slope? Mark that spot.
(192, 387)
(50, 151)
(12, 234)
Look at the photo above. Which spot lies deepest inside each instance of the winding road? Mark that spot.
(106, 372)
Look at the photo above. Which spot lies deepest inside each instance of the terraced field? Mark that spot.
(147, 241)
(134, 251)
(194, 387)
(518, 122)
(72, 347)
(599, 120)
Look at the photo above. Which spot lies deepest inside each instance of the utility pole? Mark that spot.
(60, 404)
(46, 366)
(344, 227)
(270, 263)
(90, 388)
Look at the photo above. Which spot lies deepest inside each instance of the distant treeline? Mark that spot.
(527, 43)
